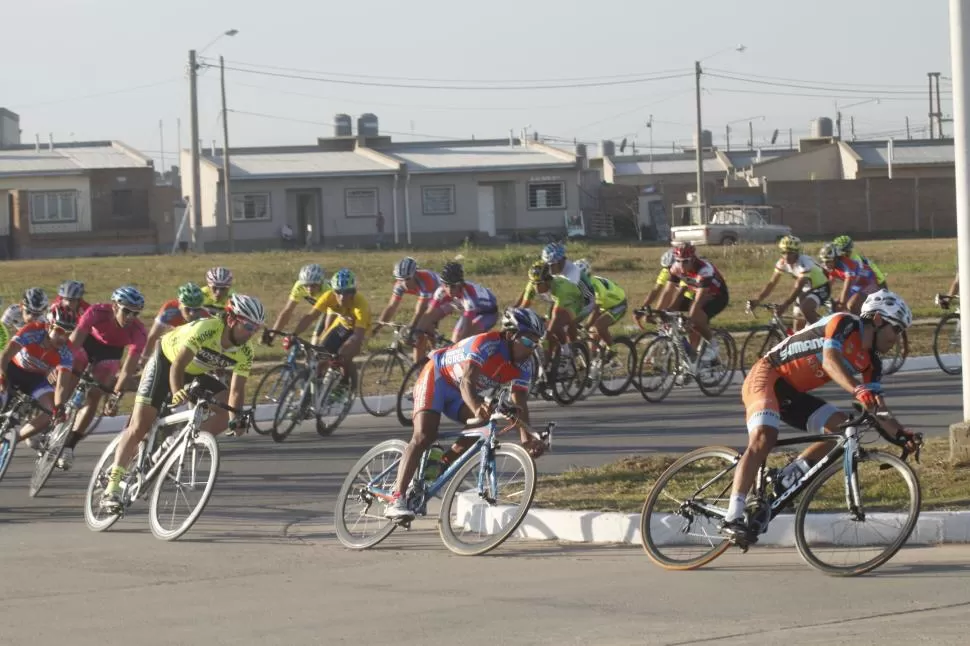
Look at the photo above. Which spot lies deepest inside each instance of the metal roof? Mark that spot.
(300, 164)
(66, 159)
(455, 158)
(745, 158)
(666, 166)
(876, 153)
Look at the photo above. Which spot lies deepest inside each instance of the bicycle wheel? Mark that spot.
(640, 343)
(946, 344)
(658, 369)
(380, 380)
(96, 518)
(359, 525)
(756, 345)
(470, 524)
(682, 518)
(570, 374)
(184, 471)
(619, 370)
(828, 532)
(269, 391)
(405, 395)
(292, 408)
(715, 375)
(8, 444)
(45, 463)
(338, 402)
(895, 358)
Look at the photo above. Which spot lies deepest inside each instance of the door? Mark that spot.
(306, 219)
(486, 209)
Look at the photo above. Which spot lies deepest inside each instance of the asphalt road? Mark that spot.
(262, 565)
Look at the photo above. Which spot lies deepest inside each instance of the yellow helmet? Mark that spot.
(790, 244)
(538, 272)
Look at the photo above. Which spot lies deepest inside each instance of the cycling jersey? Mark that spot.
(427, 283)
(210, 301)
(204, 338)
(473, 298)
(82, 305)
(300, 292)
(859, 259)
(170, 314)
(848, 270)
(803, 266)
(561, 293)
(354, 315)
(13, 318)
(99, 323)
(34, 357)
(4, 336)
(706, 276)
(608, 293)
(490, 352)
(572, 273)
(665, 277)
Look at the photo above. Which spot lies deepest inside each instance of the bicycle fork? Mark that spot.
(853, 497)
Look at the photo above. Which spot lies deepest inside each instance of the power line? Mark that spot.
(919, 87)
(854, 91)
(636, 109)
(95, 95)
(814, 96)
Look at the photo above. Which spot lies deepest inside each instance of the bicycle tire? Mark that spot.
(323, 428)
(937, 352)
(344, 533)
(631, 361)
(647, 538)
(640, 342)
(92, 503)
(8, 446)
(405, 416)
(801, 542)
(579, 360)
(283, 373)
(671, 362)
(758, 347)
(393, 364)
(282, 427)
(45, 463)
(446, 531)
(897, 357)
(209, 441)
(715, 389)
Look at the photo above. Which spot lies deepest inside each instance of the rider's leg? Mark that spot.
(602, 327)
(425, 433)
(350, 349)
(104, 372)
(40, 421)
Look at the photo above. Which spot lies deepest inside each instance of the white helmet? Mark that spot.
(890, 305)
(311, 275)
(247, 307)
(583, 265)
(405, 268)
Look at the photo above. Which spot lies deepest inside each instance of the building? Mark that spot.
(435, 192)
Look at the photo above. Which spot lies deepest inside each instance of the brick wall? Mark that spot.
(120, 198)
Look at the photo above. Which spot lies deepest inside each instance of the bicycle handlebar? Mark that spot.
(902, 439)
(750, 309)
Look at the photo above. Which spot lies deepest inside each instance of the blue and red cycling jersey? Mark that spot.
(490, 352)
(473, 298)
(34, 357)
(428, 282)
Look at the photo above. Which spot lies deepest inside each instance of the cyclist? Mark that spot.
(693, 273)
(609, 305)
(811, 287)
(661, 298)
(858, 280)
(32, 307)
(71, 293)
(846, 248)
(477, 304)
(218, 289)
(554, 255)
(345, 336)
(102, 336)
(778, 389)
(307, 288)
(451, 383)
(186, 307)
(423, 283)
(38, 349)
(192, 351)
(567, 302)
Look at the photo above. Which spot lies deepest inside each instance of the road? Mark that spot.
(262, 565)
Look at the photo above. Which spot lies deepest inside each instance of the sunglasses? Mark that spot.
(346, 292)
(249, 326)
(127, 313)
(527, 342)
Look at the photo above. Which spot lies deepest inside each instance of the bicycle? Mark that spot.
(612, 370)
(279, 377)
(671, 359)
(386, 369)
(52, 443)
(177, 459)
(488, 506)
(19, 407)
(697, 510)
(311, 395)
(561, 376)
(405, 395)
(762, 338)
(946, 337)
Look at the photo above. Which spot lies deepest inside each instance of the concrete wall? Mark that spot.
(139, 181)
(78, 183)
(821, 163)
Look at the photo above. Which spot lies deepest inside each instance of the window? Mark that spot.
(250, 208)
(438, 200)
(58, 206)
(121, 203)
(547, 195)
(361, 202)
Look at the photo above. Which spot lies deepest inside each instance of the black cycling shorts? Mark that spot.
(98, 352)
(716, 304)
(154, 389)
(336, 338)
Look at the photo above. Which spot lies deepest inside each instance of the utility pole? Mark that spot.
(750, 135)
(838, 124)
(929, 78)
(700, 142)
(852, 127)
(650, 125)
(939, 110)
(791, 141)
(226, 192)
(907, 128)
(196, 180)
(727, 138)
(161, 144)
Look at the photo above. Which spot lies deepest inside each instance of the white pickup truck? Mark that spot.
(730, 225)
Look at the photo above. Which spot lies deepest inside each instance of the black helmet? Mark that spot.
(452, 273)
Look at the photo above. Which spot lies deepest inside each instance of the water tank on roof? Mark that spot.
(367, 125)
(707, 139)
(822, 127)
(581, 150)
(343, 125)
(607, 148)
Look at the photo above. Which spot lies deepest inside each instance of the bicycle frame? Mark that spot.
(674, 329)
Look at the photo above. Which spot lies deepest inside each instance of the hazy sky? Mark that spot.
(62, 58)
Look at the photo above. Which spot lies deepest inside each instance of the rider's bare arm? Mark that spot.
(8, 354)
(176, 374)
(468, 394)
(671, 292)
(834, 366)
(390, 309)
(769, 287)
(700, 298)
(237, 392)
(422, 308)
(158, 329)
(284, 316)
(798, 288)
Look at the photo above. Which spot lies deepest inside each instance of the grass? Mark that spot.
(623, 485)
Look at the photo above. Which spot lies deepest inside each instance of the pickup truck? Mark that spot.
(731, 226)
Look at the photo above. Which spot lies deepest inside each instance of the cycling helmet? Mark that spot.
(553, 252)
(218, 277)
(63, 317)
(684, 251)
(311, 275)
(246, 307)
(583, 266)
(843, 244)
(539, 272)
(35, 301)
(790, 244)
(828, 252)
(667, 260)
(890, 305)
(523, 321)
(452, 273)
(71, 289)
(405, 268)
(343, 281)
(190, 295)
(129, 297)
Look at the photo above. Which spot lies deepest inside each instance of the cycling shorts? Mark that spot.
(154, 388)
(616, 312)
(769, 400)
(335, 336)
(106, 359)
(34, 384)
(484, 321)
(819, 295)
(433, 393)
(716, 304)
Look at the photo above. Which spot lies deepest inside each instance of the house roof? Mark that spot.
(910, 152)
(310, 163)
(665, 164)
(746, 158)
(460, 156)
(68, 159)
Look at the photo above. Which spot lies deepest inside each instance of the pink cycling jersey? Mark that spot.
(99, 322)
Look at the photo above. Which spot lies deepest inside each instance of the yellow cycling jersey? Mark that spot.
(204, 338)
(355, 315)
(803, 266)
(299, 293)
(209, 299)
(608, 293)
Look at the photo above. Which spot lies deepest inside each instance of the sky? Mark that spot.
(566, 69)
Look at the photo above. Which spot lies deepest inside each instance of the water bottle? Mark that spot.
(432, 468)
(792, 472)
(78, 399)
(160, 451)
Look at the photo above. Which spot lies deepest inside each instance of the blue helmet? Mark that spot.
(553, 252)
(523, 321)
(343, 281)
(129, 297)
